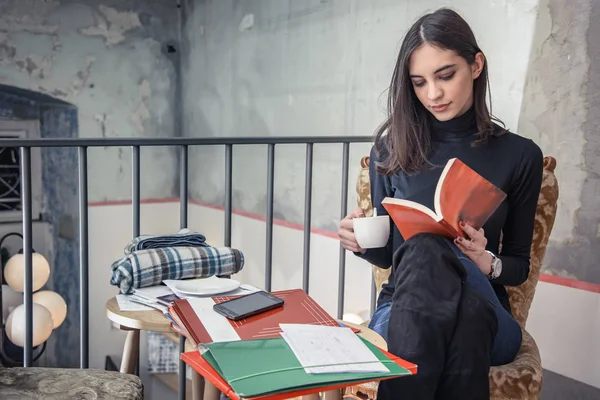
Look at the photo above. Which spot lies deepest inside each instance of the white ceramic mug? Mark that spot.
(372, 232)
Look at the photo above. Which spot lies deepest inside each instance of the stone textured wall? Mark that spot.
(117, 62)
(561, 112)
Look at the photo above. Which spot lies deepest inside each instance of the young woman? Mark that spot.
(445, 307)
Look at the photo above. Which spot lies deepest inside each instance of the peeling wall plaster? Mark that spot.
(112, 25)
(95, 56)
(561, 112)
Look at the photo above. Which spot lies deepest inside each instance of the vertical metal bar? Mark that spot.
(135, 189)
(269, 219)
(135, 203)
(183, 222)
(183, 187)
(373, 295)
(307, 215)
(344, 211)
(228, 192)
(27, 252)
(182, 370)
(84, 323)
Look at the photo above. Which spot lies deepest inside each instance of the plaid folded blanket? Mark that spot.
(183, 238)
(150, 267)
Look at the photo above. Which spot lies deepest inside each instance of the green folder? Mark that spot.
(269, 366)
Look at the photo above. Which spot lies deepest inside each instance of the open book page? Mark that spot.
(464, 195)
(326, 349)
(412, 218)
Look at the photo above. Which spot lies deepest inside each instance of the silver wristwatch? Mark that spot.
(496, 266)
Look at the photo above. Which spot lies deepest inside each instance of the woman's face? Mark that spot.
(443, 81)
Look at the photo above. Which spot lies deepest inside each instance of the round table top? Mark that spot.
(150, 320)
(154, 320)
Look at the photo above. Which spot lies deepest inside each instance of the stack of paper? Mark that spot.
(327, 349)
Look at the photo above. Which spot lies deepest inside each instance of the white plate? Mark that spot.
(206, 286)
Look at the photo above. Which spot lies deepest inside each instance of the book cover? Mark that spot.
(461, 195)
(298, 308)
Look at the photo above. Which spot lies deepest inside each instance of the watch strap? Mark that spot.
(493, 272)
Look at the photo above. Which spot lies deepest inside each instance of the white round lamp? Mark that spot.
(54, 303)
(10, 300)
(42, 325)
(14, 272)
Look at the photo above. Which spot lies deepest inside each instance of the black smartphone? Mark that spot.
(248, 305)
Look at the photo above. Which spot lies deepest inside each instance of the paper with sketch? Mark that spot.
(125, 304)
(328, 349)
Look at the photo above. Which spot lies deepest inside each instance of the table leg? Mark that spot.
(330, 395)
(210, 391)
(198, 386)
(333, 395)
(130, 352)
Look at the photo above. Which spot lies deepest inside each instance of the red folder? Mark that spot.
(200, 365)
(298, 308)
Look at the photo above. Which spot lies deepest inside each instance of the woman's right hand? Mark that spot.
(346, 231)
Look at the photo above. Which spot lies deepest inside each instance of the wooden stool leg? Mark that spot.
(130, 352)
(210, 391)
(333, 395)
(198, 386)
(314, 396)
(330, 395)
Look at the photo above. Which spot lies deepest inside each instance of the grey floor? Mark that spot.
(558, 387)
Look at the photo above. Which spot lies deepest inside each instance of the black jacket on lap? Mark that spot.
(438, 323)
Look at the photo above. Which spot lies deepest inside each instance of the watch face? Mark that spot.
(497, 267)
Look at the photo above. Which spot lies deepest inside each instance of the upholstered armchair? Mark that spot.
(521, 379)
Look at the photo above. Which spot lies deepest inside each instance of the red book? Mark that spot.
(200, 365)
(461, 194)
(298, 308)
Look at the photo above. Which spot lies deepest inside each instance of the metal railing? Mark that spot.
(82, 145)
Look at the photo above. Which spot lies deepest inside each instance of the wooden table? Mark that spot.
(152, 320)
(133, 322)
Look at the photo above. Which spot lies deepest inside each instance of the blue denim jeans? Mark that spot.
(509, 336)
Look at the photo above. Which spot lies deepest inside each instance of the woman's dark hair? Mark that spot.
(405, 135)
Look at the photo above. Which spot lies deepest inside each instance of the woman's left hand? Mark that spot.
(475, 248)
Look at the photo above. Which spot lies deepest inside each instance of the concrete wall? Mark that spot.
(111, 59)
(561, 112)
(286, 68)
(108, 69)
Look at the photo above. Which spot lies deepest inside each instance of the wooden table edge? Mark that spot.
(132, 320)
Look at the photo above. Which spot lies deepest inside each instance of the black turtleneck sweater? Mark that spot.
(509, 161)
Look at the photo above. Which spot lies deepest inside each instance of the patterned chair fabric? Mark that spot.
(521, 379)
(64, 383)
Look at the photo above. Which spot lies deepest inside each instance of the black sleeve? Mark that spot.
(518, 228)
(380, 188)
